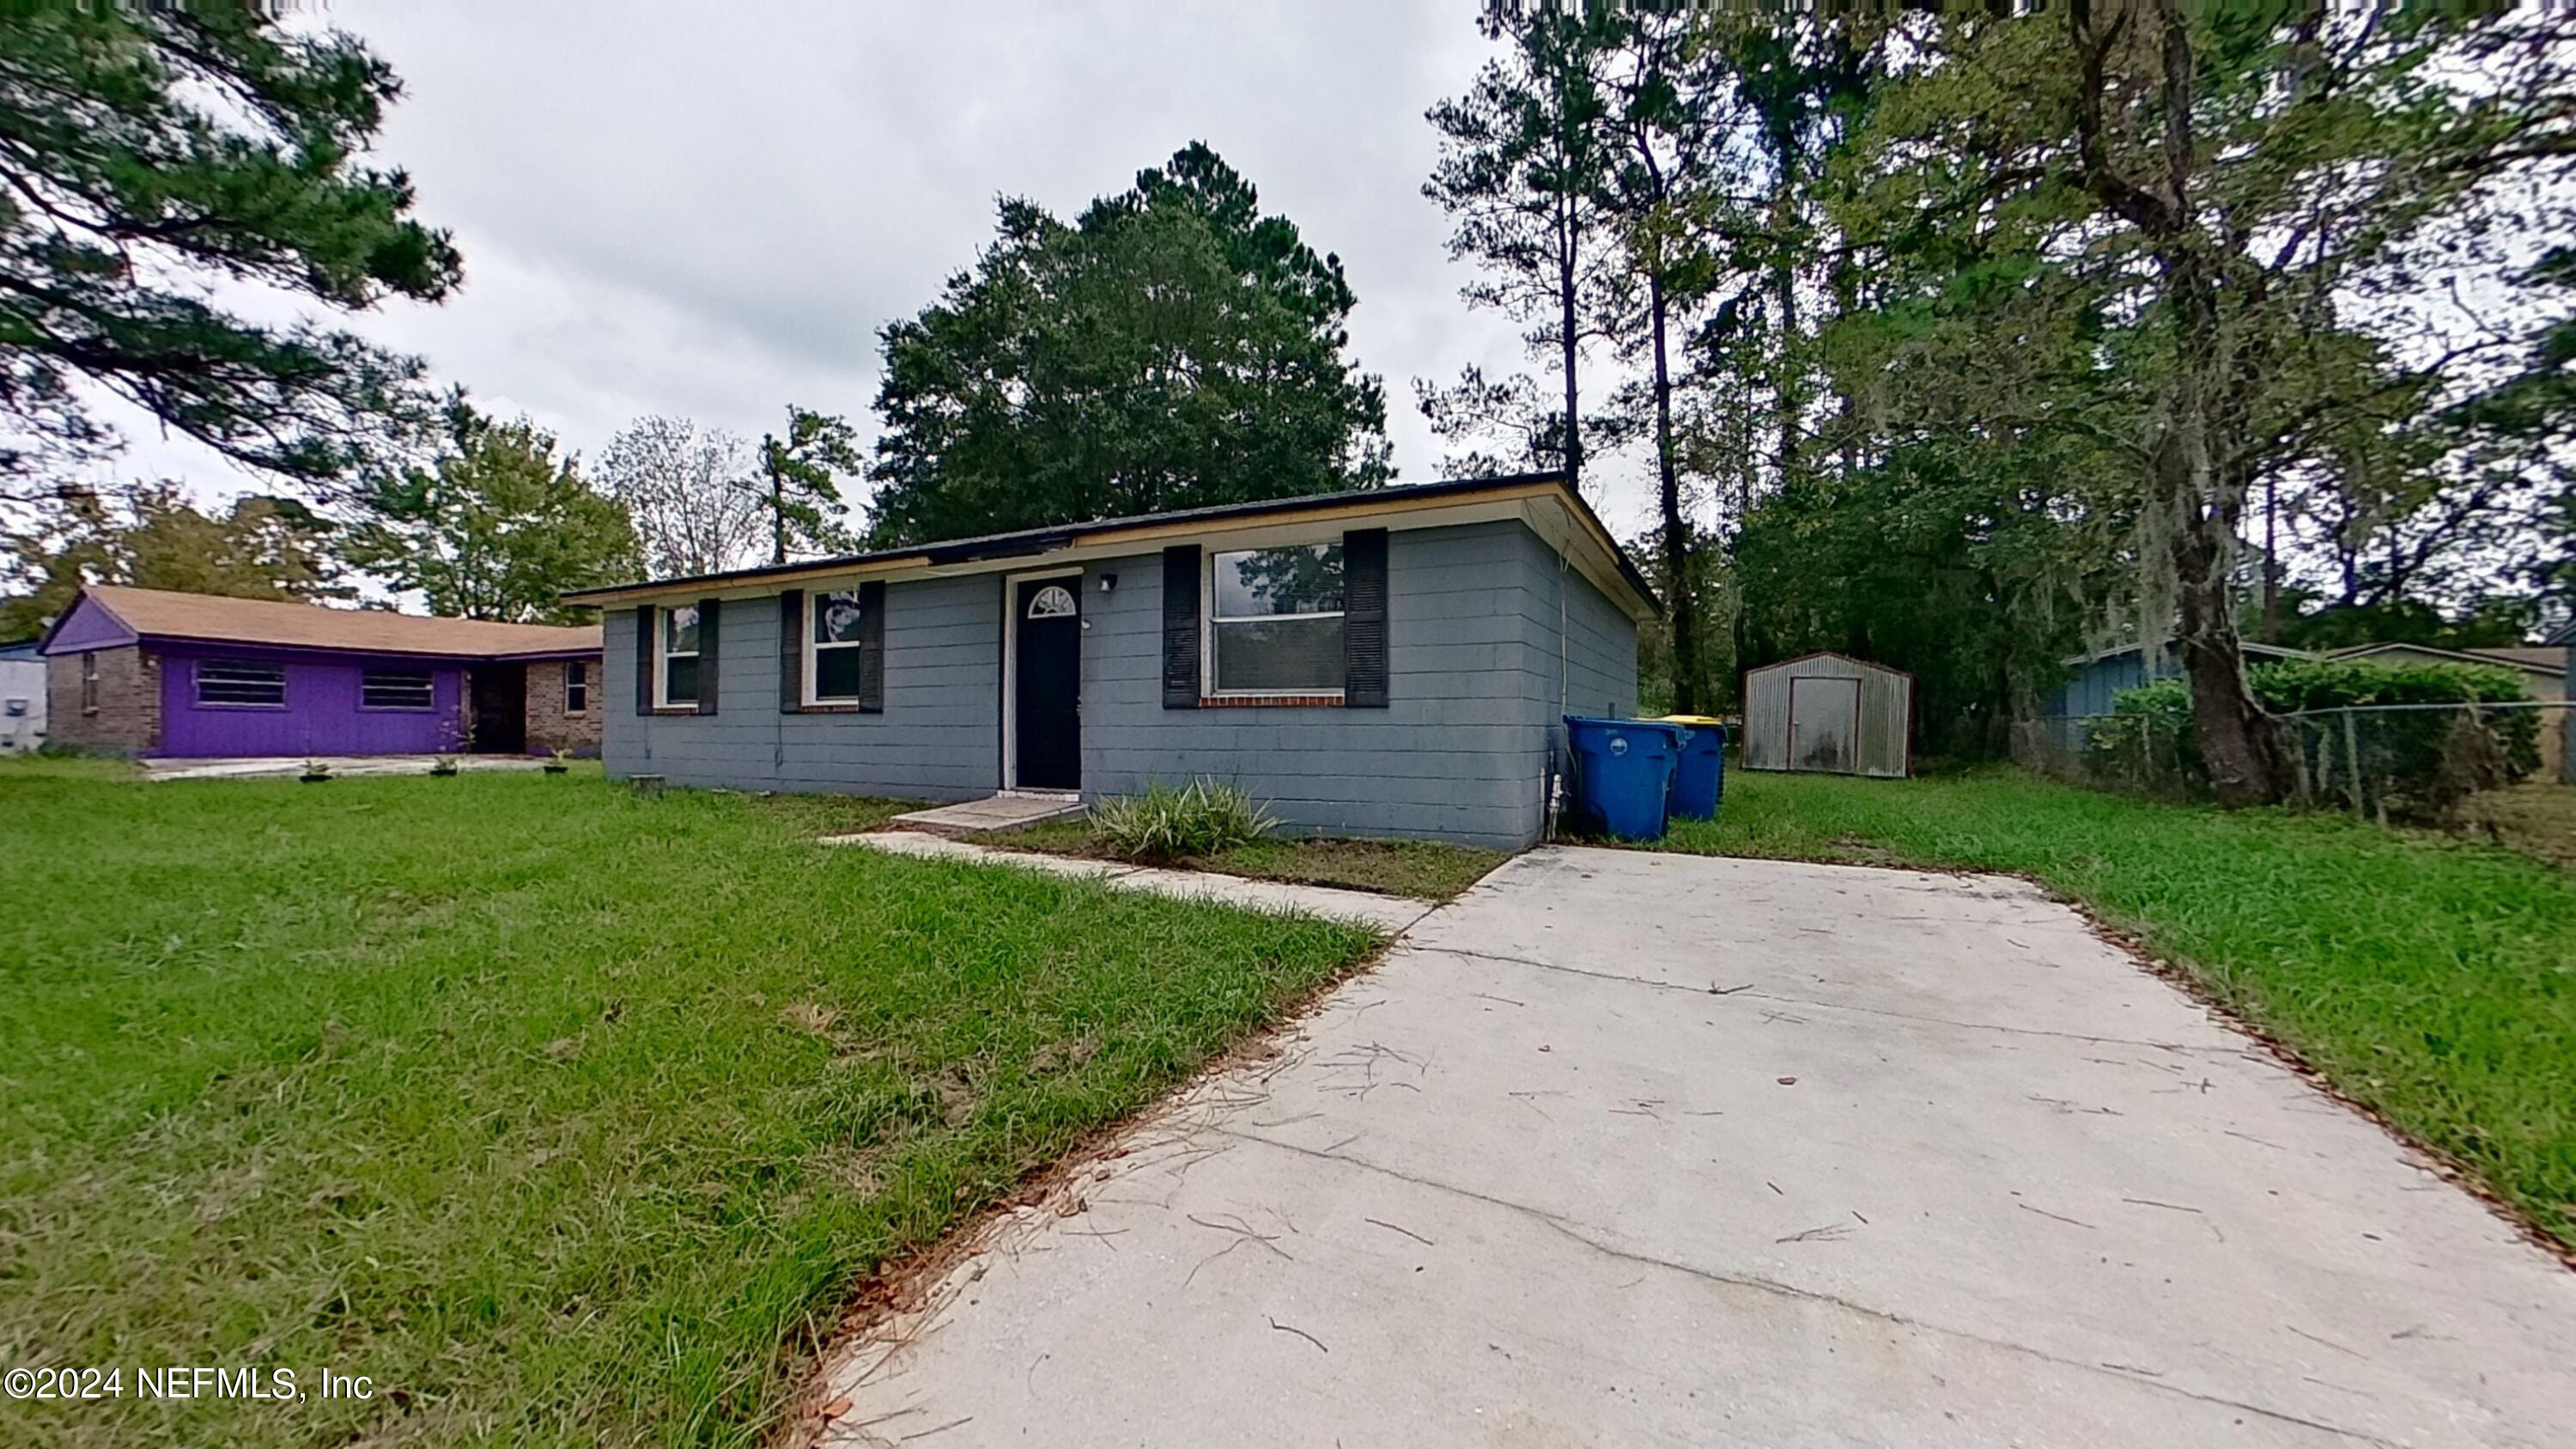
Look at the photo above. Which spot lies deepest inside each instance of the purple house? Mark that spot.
(149, 672)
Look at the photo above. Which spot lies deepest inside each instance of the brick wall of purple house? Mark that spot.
(104, 699)
(564, 713)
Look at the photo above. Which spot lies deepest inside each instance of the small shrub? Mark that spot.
(1200, 818)
(2146, 742)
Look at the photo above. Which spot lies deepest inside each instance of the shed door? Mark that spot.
(1824, 725)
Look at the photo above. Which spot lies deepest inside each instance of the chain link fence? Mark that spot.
(2409, 762)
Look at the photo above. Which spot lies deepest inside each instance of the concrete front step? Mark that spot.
(1006, 811)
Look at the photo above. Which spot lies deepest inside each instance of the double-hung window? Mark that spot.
(240, 684)
(89, 682)
(832, 648)
(676, 657)
(576, 687)
(1275, 621)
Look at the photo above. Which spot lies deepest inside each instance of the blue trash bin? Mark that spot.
(1623, 773)
(1699, 781)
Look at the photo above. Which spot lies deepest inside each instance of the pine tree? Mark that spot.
(803, 472)
(151, 150)
(1525, 173)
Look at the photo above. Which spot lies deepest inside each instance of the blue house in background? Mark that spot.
(2099, 678)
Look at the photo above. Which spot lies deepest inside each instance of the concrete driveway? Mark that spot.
(1646, 1149)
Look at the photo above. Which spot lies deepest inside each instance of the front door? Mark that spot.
(500, 708)
(1046, 687)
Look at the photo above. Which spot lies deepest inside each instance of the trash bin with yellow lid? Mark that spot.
(1699, 778)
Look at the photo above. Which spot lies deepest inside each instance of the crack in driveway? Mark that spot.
(1577, 1232)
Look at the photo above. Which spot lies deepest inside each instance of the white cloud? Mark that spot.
(710, 211)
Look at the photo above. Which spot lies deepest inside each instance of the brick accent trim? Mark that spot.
(1272, 701)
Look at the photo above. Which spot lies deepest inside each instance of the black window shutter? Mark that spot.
(710, 638)
(644, 625)
(872, 597)
(791, 650)
(1181, 626)
(1364, 618)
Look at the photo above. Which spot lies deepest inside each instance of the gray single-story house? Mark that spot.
(1389, 662)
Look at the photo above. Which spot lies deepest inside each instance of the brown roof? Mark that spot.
(2528, 656)
(2534, 658)
(310, 626)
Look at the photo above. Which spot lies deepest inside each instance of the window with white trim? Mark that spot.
(675, 656)
(1275, 621)
(576, 687)
(396, 689)
(89, 682)
(832, 648)
(239, 684)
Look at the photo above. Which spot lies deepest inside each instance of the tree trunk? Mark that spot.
(777, 517)
(1847, 406)
(2271, 560)
(2239, 742)
(1568, 278)
(2200, 498)
(1788, 399)
(1681, 599)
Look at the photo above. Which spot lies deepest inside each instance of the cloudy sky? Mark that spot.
(710, 210)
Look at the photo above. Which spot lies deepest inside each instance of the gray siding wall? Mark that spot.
(1600, 659)
(938, 739)
(1476, 681)
(1461, 750)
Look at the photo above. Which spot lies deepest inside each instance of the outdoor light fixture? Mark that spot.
(1108, 582)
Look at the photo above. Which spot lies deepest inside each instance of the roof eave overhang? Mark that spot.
(1547, 502)
(373, 651)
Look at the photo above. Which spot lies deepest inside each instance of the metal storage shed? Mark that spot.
(1831, 713)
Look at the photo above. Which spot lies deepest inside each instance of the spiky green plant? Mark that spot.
(1164, 823)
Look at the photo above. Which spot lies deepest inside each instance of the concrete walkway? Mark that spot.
(1391, 914)
(1626, 1148)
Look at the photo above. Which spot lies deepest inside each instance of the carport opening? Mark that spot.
(500, 695)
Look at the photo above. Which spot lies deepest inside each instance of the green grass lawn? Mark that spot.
(1423, 869)
(2535, 818)
(561, 1114)
(2433, 979)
